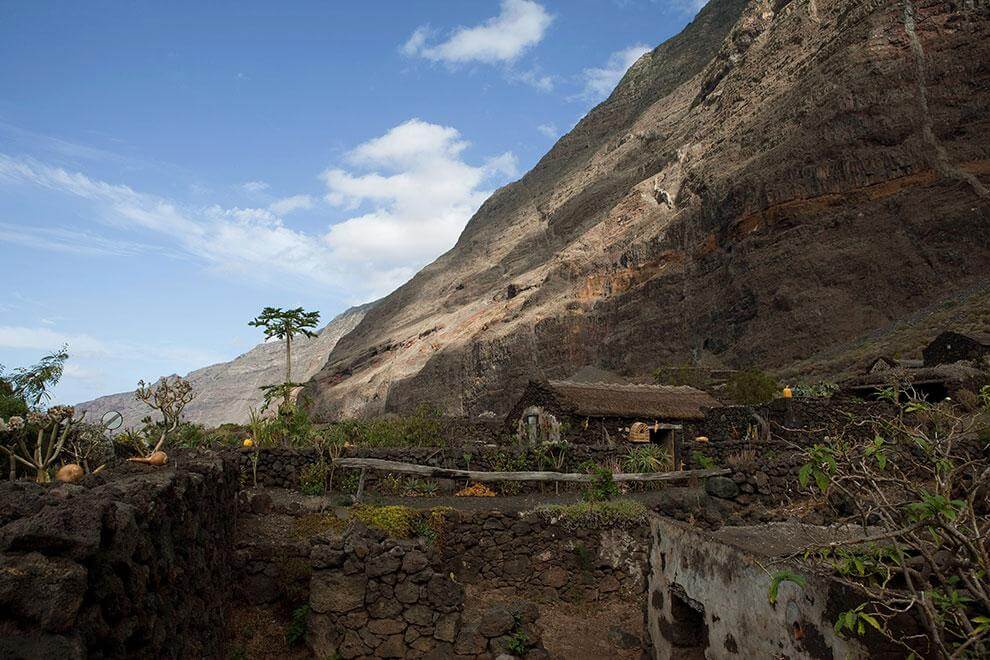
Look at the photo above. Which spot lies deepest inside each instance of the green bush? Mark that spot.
(702, 461)
(296, 631)
(751, 387)
(313, 479)
(603, 488)
(421, 429)
(682, 375)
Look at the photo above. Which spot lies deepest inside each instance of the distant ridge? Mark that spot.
(226, 392)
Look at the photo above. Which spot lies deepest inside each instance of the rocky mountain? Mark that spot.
(227, 391)
(780, 178)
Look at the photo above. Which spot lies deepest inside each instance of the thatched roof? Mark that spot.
(646, 401)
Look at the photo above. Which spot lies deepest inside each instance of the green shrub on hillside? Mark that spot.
(421, 429)
(751, 387)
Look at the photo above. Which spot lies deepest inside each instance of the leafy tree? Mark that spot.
(921, 484)
(285, 324)
(33, 384)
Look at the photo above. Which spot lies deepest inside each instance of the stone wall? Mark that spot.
(765, 467)
(486, 584)
(131, 562)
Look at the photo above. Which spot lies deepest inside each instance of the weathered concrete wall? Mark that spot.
(708, 598)
(133, 562)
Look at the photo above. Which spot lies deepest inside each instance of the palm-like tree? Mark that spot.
(285, 324)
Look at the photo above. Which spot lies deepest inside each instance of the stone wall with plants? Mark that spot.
(131, 562)
(404, 583)
(301, 468)
(763, 444)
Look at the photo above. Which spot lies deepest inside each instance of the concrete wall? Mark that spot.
(709, 599)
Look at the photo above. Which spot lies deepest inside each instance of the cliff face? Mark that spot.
(227, 391)
(781, 177)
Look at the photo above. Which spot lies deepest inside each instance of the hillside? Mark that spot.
(227, 391)
(778, 180)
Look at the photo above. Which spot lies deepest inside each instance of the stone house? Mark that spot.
(951, 347)
(606, 413)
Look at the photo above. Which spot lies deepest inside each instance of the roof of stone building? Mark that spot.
(623, 400)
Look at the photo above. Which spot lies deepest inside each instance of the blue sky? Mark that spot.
(168, 169)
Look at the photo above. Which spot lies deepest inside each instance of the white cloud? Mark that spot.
(82, 345)
(60, 239)
(410, 189)
(254, 187)
(287, 205)
(550, 130)
(419, 194)
(535, 79)
(520, 25)
(599, 82)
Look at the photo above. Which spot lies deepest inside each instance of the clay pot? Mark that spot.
(69, 473)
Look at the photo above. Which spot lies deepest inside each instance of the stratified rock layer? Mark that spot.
(226, 392)
(781, 177)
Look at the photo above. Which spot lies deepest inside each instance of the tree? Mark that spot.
(285, 324)
(33, 384)
(169, 397)
(921, 485)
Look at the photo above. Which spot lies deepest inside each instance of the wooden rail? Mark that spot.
(452, 473)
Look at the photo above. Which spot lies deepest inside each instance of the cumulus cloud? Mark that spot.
(287, 205)
(406, 196)
(417, 193)
(519, 26)
(254, 187)
(550, 130)
(599, 82)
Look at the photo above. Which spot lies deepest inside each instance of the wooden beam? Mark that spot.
(473, 475)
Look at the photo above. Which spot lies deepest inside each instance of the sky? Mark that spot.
(169, 169)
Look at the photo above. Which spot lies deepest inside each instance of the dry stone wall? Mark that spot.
(487, 584)
(132, 563)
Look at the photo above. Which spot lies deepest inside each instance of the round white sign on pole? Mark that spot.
(112, 420)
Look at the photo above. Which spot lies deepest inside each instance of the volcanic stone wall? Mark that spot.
(132, 563)
(487, 583)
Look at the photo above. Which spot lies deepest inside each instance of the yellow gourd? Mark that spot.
(248, 442)
(70, 473)
(788, 393)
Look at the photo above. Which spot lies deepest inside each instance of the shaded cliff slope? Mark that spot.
(782, 177)
(227, 391)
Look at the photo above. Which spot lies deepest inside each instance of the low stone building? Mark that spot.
(950, 347)
(606, 413)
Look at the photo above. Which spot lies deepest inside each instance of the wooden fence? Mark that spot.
(428, 471)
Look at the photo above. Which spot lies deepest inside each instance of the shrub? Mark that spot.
(613, 513)
(682, 375)
(396, 521)
(648, 458)
(751, 387)
(296, 631)
(313, 479)
(603, 488)
(702, 461)
(421, 429)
